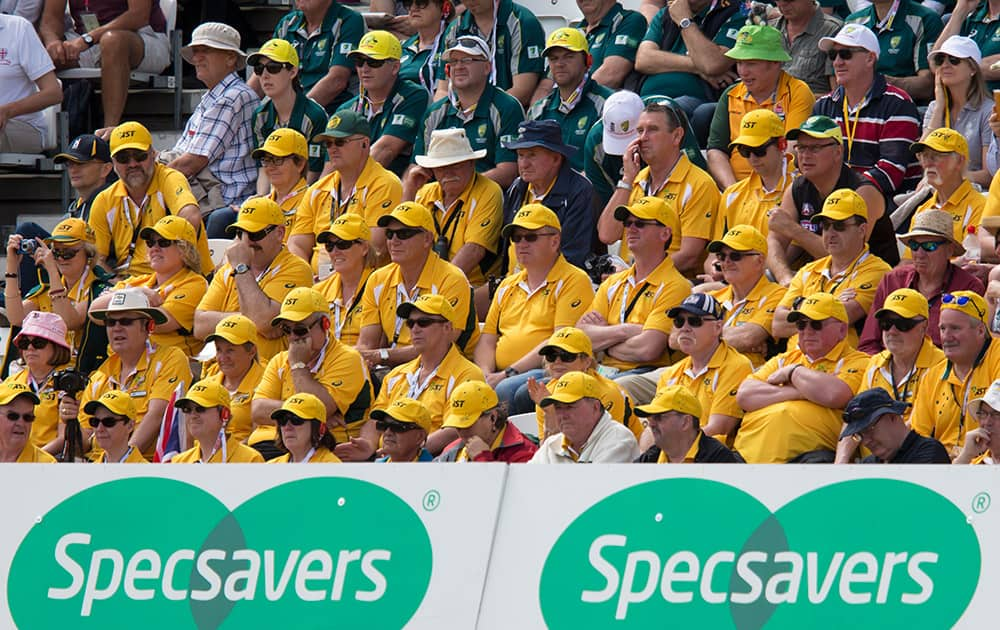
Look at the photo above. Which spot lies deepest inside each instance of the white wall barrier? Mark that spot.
(492, 547)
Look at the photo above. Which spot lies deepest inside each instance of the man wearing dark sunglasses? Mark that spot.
(17, 412)
(793, 403)
(849, 270)
(404, 426)
(112, 419)
(931, 243)
(259, 272)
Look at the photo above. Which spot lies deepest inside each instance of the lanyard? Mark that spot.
(336, 205)
(647, 185)
(852, 129)
(401, 297)
(625, 311)
(567, 450)
(220, 443)
(736, 308)
(907, 380)
(338, 322)
(305, 460)
(567, 105)
(37, 386)
(430, 64)
(126, 455)
(890, 17)
(844, 275)
(134, 225)
(416, 387)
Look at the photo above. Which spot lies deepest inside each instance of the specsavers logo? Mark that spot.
(691, 553)
(311, 553)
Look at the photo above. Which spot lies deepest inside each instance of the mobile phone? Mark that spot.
(996, 102)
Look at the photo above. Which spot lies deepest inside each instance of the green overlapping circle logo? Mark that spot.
(160, 553)
(871, 553)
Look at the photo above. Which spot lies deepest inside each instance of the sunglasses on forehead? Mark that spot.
(961, 300)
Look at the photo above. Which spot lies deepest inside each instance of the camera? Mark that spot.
(598, 266)
(70, 381)
(28, 247)
(441, 247)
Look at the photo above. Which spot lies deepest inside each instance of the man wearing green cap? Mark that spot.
(762, 85)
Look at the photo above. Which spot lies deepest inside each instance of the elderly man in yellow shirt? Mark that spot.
(793, 403)
(206, 416)
(17, 408)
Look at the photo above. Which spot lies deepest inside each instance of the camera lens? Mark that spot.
(28, 247)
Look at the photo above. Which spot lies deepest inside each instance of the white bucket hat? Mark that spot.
(961, 47)
(448, 146)
(219, 36)
(130, 300)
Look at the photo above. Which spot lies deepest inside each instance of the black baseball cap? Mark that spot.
(866, 408)
(84, 148)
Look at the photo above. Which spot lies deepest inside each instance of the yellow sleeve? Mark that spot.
(305, 215)
(182, 300)
(866, 283)
(457, 289)
(922, 415)
(673, 294)
(351, 388)
(176, 191)
(270, 385)
(991, 209)
(769, 368)
(294, 272)
(763, 314)
(577, 294)
(698, 215)
(852, 371)
(370, 312)
(215, 296)
(801, 105)
(794, 289)
(492, 324)
(483, 227)
(98, 222)
(381, 198)
(175, 372)
(730, 377)
(601, 304)
(722, 214)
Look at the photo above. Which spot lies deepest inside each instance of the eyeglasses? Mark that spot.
(272, 67)
(66, 254)
(927, 246)
(530, 237)
(111, 322)
(394, 426)
(192, 408)
(162, 243)
(274, 160)
(695, 321)
(360, 61)
(961, 300)
(108, 421)
(638, 223)
(813, 148)
(341, 245)
(986, 414)
(760, 151)
(734, 256)
(902, 324)
(255, 237)
(838, 226)
(940, 58)
(815, 324)
(401, 234)
(295, 421)
(843, 53)
(339, 142)
(560, 355)
(424, 322)
(13, 416)
(127, 157)
(300, 330)
(24, 341)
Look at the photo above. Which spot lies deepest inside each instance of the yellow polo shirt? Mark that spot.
(402, 382)
(879, 374)
(289, 204)
(286, 272)
(235, 453)
(321, 455)
(31, 454)
(783, 431)
(747, 201)
(940, 405)
(240, 419)
(131, 457)
(340, 369)
(715, 385)
(479, 218)
(965, 206)
(376, 193)
(523, 318)
(181, 294)
(615, 300)
(345, 311)
(688, 457)
(45, 428)
(756, 308)
(117, 220)
(385, 291)
(616, 402)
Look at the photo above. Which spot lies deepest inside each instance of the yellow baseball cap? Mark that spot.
(72, 231)
(411, 214)
(905, 303)
(741, 238)
(571, 387)
(671, 398)
(568, 38)
(758, 127)
(279, 50)
(349, 226)
(301, 303)
(116, 401)
(943, 140)
(842, 204)
(820, 306)
(236, 329)
(653, 208)
(283, 142)
(569, 339)
(130, 135)
(9, 391)
(432, 304)
(406, 410)
(257, 214)
(968, 302)
(533, 216)
(206, 393)
(378, 45)
(302, 405)
(467, 403)
(172, 228)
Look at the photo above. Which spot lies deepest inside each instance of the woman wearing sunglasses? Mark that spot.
(17, 412)
(176, 284)
(302, 432)
(422, 51)
(404, 426)
(112, 419)
(961, 100)
(206, 414)
(283, 162)
(44, 350)
(348, 244)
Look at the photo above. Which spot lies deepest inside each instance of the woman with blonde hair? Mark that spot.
(348, 243)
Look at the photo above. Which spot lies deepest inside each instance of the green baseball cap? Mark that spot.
(758, 42)
(818, 127)
(344, 123)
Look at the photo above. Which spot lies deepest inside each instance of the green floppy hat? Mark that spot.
(758, 42)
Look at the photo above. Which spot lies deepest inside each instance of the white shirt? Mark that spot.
(23, 60)
(610, 442)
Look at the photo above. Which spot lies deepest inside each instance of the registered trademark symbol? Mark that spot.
(432, 500)
(981, 502)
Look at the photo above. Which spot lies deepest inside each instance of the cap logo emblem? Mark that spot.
(898, 298)
(230, 324)
(291, 301)
(118, 299)
(126, 134)
(334, 122)
(624, 126)
(749, 124)
(457, 404)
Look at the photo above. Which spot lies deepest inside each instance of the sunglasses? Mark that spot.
(272, 67)
(341, 245)
(339, 142)
(23, 342)
(401, 234)
(108, 421)
(961, 300)
(66, 254)
(396, 427)
(802, 324)
(760, 151)
(940, 58)
(734, 256)
(13, 416)
(300, 330)
(530, 237)
(127, 157)
(419, 4)
(274, 160)
(368, 61)
(694, 320)
(424, 322)
(162, 243)
(838, 226)
(123, 321)
(843, 53)
(255, 237)
(295, 421)
(638, 223)
(902, 324)
(560, 355)
(189, 408)
(927, 246)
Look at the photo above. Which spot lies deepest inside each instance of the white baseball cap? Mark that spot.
(620, 116)
(854, 36)
(991, 398)
(961, 47)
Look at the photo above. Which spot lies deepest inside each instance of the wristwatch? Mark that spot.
(511, 371)
(241, 268)
(88, 39)
(298, 366)
(383, 354)
(624, 185)
(683, 24)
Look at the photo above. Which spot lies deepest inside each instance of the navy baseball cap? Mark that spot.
(699, 304)
(84, 148)
(866, 408)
